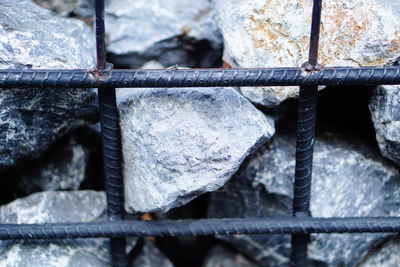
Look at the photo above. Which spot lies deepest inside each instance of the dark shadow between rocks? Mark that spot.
(179, 50)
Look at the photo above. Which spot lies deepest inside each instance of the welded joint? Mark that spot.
(101, 75)
(310, 69)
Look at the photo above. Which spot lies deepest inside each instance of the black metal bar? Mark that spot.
(230, 226)
(100, 36)
(338, 76)
(111, 141)
(305, 144)
(314, 37)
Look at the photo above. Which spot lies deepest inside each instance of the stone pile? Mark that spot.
(196, 152)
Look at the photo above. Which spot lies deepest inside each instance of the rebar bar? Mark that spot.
(203, 227)
(338, 76)
(111, 141)
(305, 143)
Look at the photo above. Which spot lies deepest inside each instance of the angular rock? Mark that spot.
(53, 207)
(385, 114)
(170, 31)
(349, 180)
(32, 119)
(151, 256)
(275, 33)
(180, 143)
(222, 257)
(81, 8)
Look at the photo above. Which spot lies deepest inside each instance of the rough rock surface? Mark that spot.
(53, 207)
(349, 180)
(180, 143)
(82, 8)
(32, 119)
(169, 31)
(275, 33)
(222, 257)
(151, 256)
(385, 114)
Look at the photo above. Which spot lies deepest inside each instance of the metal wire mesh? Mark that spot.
(105, 79)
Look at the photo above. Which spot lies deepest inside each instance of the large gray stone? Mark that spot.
(385, 114)
(32, 119)
(53, 207)
(275, 33)
(170, 31)
(349, 180)
(180, 143)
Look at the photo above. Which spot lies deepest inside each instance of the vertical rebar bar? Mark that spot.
(111, 140)
(305, 143)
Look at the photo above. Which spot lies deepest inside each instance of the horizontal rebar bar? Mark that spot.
(199, 77)
(200, 227)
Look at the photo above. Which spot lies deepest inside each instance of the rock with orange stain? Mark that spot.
(275, 33)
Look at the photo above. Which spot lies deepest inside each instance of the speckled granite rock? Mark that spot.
(349, 180)
(32, 119)
(151, 256)
(82, 8)
(385, 114)
(53, 207)
(180, 143)
(222, 257)
(275, 33)
(170, 31)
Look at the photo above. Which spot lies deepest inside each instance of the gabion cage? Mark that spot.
(103, 77)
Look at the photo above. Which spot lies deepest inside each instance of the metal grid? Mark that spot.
(308, 77)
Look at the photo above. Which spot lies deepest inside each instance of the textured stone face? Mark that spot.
(275, 33)
(32, 119)
(180, 143)
(385, 113)
(165, 30)
(348, 181)
(53, 207)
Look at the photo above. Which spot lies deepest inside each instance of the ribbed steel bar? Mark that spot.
(305, 143)
(335, 76)
(111, 141)
(230, 226)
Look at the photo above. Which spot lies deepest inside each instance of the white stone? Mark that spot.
(180, 143)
